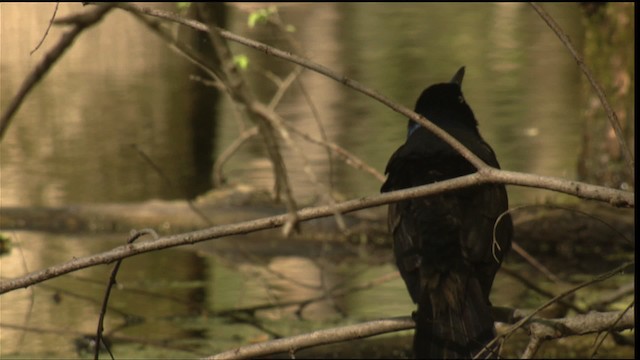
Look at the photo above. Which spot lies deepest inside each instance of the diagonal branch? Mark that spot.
(320, 337)
(81, 22)
(618, 197)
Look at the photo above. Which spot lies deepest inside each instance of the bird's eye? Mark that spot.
(461, 99)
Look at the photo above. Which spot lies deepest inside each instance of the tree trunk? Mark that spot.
(202, 109)
(609, 53)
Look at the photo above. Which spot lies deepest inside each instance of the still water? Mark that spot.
(71, 142)
(120, 92)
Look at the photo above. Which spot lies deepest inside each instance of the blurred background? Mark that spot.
(121, 92)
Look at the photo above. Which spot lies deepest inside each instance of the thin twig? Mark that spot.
(46, 32)
(32, 296)
(218, 177)
(323, 133)
(611, 114)
(610, 329)
(112, 281)
(534, 262)
(349, 158)
(180, 191)
(283, 86)
(84, 297)
(531, 285)
(619, 293)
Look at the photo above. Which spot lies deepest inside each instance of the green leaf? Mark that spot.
(5, 244)
(183, 6)
(260, 16)
(241, 61)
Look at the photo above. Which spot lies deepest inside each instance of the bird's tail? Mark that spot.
(454, 322)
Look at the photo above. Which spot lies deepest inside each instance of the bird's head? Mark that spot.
(443, 104)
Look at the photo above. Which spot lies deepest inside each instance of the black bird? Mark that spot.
(444, 244)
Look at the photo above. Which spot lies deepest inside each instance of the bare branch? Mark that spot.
(532, 347)
(493, 176)
(534, 262)
(582, 324)
(541, 329)
(81, 22)
(320, 337)
(105, 301)
(522, 322)
(582, 190)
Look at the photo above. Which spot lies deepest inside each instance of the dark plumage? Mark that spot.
(443, 244)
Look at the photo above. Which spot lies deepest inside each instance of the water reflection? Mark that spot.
(177, 301)
(119, 86)
(293, 279)
(61, 310)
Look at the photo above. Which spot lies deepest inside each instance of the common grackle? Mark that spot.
(444, 244)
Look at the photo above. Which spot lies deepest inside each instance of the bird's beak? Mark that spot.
(457, 78)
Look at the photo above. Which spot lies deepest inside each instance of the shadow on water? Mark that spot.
(71, 144)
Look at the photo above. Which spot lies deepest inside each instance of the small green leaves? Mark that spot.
(183, 6)
(260, 16)
(241, 61)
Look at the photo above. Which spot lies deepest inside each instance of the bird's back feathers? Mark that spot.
(443, 243)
